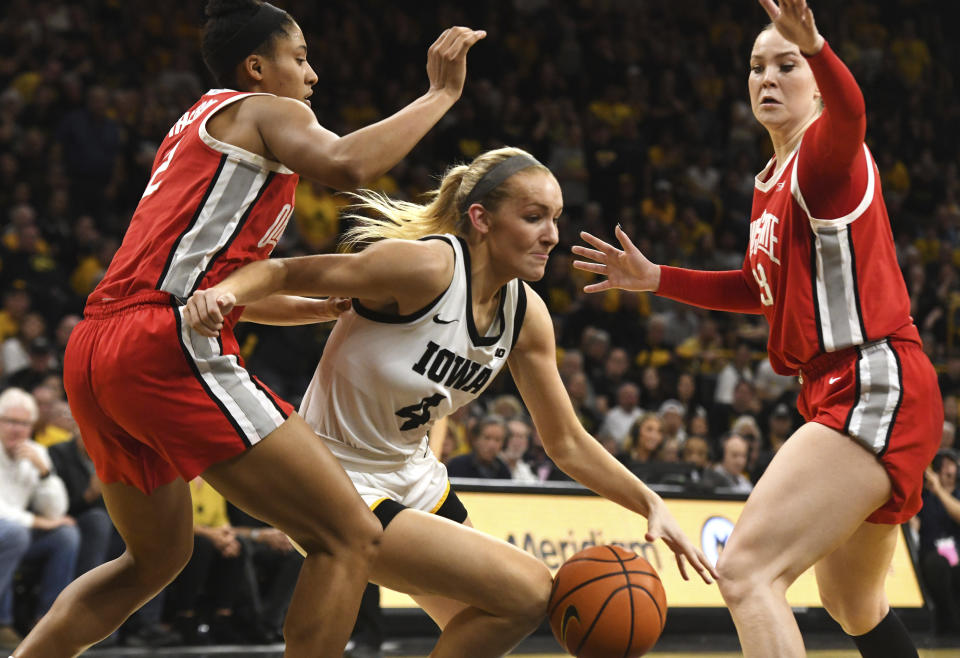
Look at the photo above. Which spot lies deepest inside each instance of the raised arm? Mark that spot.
(835, 140)
(534, 367)
(292, 134)
(629, 269)
(400, 273)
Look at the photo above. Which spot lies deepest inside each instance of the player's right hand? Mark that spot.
(206, 309)
(662, 525)
(625, 268)
(447, 59)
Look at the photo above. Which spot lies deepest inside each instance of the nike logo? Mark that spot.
(568, 614)
(834, 379)
(436, 318)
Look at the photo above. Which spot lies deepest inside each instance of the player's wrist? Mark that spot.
(814, 47)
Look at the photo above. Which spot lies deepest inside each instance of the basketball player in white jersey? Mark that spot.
(439, 306)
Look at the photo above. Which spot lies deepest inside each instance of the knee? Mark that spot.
(356, 537)
(14, 541)
(734, 578)
(529, 596)
(157, 565)
(67, 538)
(857, 612)
(741, 578)
(539, 584)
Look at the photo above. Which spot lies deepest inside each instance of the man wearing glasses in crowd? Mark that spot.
(33, 520)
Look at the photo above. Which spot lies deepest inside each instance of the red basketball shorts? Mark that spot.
(154, 400)
(885, 396)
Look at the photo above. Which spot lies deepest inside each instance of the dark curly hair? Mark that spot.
(224, 19)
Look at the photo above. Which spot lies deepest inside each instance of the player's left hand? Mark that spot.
(206, 309)
(662, 525)
(794, 21)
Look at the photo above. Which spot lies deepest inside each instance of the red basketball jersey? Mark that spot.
(824, 283)
(209, 208)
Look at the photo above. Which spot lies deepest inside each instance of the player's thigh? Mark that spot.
(425, 555)
(851, 578)
(156, 528)
(440, 608)
(816, 492)
(292, 481)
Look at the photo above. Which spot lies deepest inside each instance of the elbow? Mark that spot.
(562, 452)
(349, 173)
(354, 176)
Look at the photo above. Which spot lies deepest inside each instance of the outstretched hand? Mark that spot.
(447, 59)
(794, 21)
(206, 309)
(625, 268)
(662, 525)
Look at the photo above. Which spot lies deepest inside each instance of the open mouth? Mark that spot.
(769, 100)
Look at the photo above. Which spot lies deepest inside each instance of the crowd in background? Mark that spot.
(640, 109)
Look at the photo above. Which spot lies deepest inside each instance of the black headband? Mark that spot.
(254, 32)
(495, 176)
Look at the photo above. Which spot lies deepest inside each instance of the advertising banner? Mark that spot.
(553, 527)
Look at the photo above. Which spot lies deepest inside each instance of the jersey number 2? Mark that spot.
(766, 295)
(154, 184)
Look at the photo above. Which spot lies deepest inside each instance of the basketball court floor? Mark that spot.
(712, 646)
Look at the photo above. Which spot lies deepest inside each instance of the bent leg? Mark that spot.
(158, 531)
(851, 578)
(293, 482)
(486, 594)
(816, 492)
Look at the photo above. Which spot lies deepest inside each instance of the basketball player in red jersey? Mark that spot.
(158, 404)
(821, 267)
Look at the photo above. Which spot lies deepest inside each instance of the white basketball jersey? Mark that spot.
(384, 380)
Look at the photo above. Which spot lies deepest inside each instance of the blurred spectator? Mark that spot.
(74, 466)
(15, 350)
(734, 451)
(16, 303)
(615, 369)
(34, 526)
(516, 446)
(736, 370)
(90, 143)
(644, 440)
(616, 424)
(273, 568)
(651, 388)
(744, 403)
(939, 527)
(578, 389)
(948, 440)
(216, 567)
(779, 428)
(671, 414)
(54, 422)
(487, 438)
(38, 369)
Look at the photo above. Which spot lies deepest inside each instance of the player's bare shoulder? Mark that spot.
(430, 261)
(240, 123)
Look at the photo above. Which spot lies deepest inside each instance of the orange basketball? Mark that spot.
(607, 602)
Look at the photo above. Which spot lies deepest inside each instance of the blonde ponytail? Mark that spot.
(410, 221)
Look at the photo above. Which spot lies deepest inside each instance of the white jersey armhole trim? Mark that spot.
(230, 149)
(766, 185)
(850, 217)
